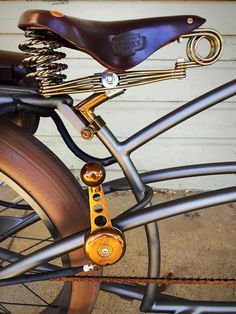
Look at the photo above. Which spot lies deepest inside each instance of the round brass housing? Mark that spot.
(105, 246)
(93, 174)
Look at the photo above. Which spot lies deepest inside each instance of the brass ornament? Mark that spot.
(93, 174)
(42, 55)
(104, 244)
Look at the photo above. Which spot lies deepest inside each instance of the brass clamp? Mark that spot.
(86, 109)
(104, 244)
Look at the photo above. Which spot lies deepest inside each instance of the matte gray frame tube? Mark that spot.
(166, 303)
(176, 207)
(152, 234)
(179, 115)
(219, 168)
(198, 170)
(44, 255)
(192, 307)
(131, 221)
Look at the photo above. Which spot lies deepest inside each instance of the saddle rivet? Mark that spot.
(190, 20)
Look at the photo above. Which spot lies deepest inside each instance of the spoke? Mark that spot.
(28, 304)
(34, 245)
(9, 205)
(30, 238)
(26, 221)
(19, 254)
(11, 225)
(34, 293)
(4, 309)
(11, 257)
(15, 201)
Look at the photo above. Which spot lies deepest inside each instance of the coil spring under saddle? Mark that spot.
(40, 46)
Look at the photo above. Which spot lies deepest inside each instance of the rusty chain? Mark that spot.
(146, 280)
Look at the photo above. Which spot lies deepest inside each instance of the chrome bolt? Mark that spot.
(109, 78)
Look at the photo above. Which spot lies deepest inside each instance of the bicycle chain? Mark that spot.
(147, 280)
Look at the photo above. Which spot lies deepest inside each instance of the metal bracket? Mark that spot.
(86, 109)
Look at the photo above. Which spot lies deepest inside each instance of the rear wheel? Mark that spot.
(41, 202)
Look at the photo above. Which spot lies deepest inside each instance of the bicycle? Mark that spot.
(81, 237)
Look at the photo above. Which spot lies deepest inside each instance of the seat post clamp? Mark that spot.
(86, 110)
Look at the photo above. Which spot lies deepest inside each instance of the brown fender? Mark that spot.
(55, 189)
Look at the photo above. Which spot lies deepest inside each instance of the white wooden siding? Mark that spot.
(210, 136)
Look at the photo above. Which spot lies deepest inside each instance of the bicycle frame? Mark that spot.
(152, 300)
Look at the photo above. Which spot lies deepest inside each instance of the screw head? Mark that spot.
(109, 79)
(190, 20)
(105, 250)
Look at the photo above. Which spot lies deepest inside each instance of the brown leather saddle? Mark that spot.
(118, 45)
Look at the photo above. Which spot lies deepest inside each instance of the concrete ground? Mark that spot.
(200, 244)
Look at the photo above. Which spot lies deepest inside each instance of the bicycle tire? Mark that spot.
(34, 168)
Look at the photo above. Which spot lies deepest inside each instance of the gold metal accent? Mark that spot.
(86, 109)
(93, 174)
(126, 80)
(216, 46)
(41, 55)
(87, 106)
(136, 78)
(87, 133)
(104, 245)
(97, 123)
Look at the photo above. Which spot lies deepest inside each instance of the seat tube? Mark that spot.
(152, 234)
